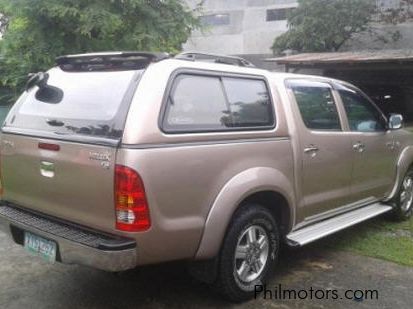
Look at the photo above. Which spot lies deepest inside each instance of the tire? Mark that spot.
(404, 199)
(254, 233)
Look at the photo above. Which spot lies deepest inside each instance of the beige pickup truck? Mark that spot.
(115, 160)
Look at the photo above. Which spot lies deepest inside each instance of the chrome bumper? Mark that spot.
(76, 245)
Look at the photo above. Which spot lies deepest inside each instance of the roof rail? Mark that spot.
(106, 61)
(233, 60)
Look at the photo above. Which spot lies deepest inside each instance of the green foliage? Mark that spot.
(392, 241)
(324, 25)
(38, 31)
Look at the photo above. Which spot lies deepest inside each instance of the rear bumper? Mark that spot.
(76, 245)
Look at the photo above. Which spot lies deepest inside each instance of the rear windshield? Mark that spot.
(91, 103)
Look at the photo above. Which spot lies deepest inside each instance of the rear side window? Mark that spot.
(249, 102)
(316, 104)
(198, 103)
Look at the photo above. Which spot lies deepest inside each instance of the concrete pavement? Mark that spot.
(28, 282)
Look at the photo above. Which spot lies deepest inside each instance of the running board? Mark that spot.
(327, 227)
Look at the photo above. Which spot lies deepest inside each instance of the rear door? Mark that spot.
(325, 149)
(59, 145)
(373, 146)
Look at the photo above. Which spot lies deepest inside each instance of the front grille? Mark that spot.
(65, 230)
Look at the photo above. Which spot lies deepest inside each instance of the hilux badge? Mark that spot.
(103, 157)
(99, 156)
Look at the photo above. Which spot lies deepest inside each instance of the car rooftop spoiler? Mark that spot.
(107, 61)
(135, 60)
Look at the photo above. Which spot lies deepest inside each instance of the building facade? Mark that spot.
(248, 28)
(240, 27)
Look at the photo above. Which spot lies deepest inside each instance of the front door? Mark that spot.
(325, 150)
(373, 146)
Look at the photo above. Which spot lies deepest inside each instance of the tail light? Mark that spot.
(132, 211)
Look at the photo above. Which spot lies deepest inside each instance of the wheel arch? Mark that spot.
(404, 162)
(276, 203)
(262, 185)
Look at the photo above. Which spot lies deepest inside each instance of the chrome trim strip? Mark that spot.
(205, 143)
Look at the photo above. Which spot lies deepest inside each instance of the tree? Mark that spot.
(35, 32)
(324, 25)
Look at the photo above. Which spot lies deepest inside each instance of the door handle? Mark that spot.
(359, 147)
(391, 145)
(311, 150)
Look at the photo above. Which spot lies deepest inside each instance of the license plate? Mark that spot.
(39, 246)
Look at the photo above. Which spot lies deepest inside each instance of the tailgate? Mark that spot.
(73, 183)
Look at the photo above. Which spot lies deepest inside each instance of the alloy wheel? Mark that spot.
(251, 253)
(406, 194)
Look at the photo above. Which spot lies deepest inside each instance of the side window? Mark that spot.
(249, 102)
(196, 103)
(211, 103)
(316, 104)
(362, 115)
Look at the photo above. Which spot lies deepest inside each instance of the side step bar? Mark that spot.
(327, 227)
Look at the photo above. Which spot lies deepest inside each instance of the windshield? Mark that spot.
(83, 103)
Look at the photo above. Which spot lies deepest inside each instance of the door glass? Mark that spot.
(316, 103)
(362, 115)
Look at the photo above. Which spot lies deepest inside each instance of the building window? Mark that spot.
(394, 11)
(278, 14)
(215, 20)
(385, 5)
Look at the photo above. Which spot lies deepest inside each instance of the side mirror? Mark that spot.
(395, 121)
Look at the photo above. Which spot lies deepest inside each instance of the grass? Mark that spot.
(379, 238)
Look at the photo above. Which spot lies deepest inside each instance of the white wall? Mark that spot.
(248, 31)
(250, 34)
(369, 41)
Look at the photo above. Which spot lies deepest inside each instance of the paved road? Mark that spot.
(28, 282)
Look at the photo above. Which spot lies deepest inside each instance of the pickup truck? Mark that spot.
(116, 160)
